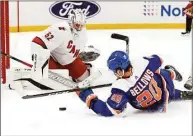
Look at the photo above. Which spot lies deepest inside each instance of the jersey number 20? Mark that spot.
(149, 97)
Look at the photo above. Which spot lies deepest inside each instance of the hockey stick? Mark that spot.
(64, 91)
(52, 75)
(122, 37)
(16, 59)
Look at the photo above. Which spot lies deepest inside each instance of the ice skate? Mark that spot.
(178, 75)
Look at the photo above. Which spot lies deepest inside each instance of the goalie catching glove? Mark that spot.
(89, 54)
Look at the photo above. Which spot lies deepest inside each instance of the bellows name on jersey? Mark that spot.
(142, 83)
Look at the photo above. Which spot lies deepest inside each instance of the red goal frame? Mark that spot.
(4, 38)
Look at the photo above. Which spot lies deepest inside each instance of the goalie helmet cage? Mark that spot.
(4, 38)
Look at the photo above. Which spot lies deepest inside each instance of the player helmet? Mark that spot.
(118, 59)
(77, 19)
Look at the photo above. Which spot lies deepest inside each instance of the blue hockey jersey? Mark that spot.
(146, 89)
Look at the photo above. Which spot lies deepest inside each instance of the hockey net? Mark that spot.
(4, 38)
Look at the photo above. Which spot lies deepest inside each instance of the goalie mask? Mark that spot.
(77, 19)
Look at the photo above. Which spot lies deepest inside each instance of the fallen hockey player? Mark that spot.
(149, 88)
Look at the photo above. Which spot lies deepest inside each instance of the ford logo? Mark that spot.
(62, 9)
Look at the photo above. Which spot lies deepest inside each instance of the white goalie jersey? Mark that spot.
(63, 43)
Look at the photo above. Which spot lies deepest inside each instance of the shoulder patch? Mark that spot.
(116, 98)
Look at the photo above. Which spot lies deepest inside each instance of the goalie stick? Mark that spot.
(64, 91)
(16, 59)
(122, 37)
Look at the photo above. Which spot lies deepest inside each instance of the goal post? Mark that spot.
(4, 38)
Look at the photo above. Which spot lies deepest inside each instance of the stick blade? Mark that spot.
(120, 37)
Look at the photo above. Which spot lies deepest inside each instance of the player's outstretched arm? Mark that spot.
(92, 101)
(115, 104)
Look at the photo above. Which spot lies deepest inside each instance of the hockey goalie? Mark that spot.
(62, 46)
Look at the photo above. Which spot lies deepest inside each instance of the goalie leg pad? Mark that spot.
(40, 59)
(86, 81)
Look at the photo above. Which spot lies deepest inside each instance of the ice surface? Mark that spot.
(41, 116)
